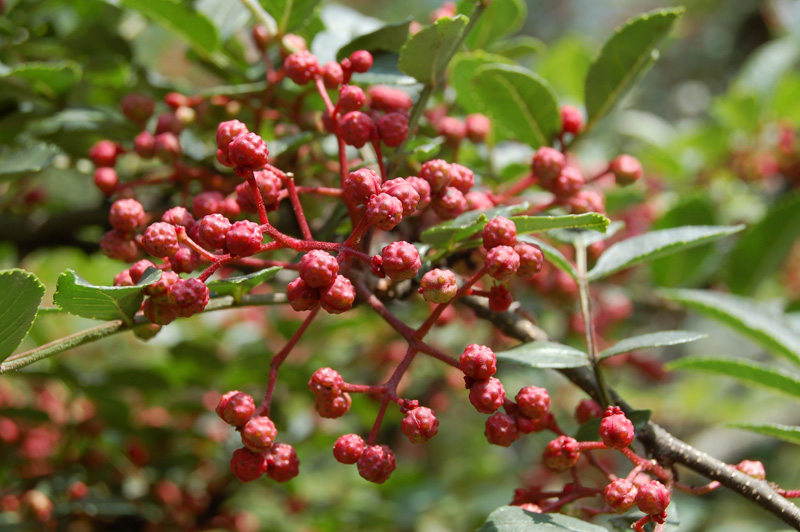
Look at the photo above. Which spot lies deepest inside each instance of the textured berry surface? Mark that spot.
(212, 230)
(258, 434)
(348, 448)
(126, 215)
(178, 216)
(161, 240)
(355, 128)
(235, 408)
(616, 430)
(478, 362)
(167, 147)
(653, 498)
(449, 203)
(500, 299)
(420, 425)
(401, 189)
(243, 238)
(587, 409)
(248, 152)
(568, 182)
(301, 296)
(332, 74)
(531, 259)
(351, 98)
(318, 268)
(282, 462)
(620, 495)
(361, 185)
(561, 453)
(339, 296)
(269, 185)
(137, 269)
(527, 425)
(159, 311)
(586, 200)
(387, 99)
(301, 67)
(437, 173)
(533, 402)
(487, 395)
(205, 203)
(393, 128)
(188, 296)
(401, 260)
(160, 288)
(753, 468)
(376, 463)
(384, 211)
(247, 465)
(438, 286)
(547, 164)
(423, 190)
(501, 429)
(502, 262)
(461, 178)
(499, 231)
(226, 132)
(626, 169)
(326, 382)
(333, 407)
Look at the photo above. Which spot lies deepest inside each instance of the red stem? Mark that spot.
(298, 208)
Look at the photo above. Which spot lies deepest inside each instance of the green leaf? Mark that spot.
(291, 14)
(463, 70)
(180, 19)
(767, 64)
(500, 19)
(239, 285)
(81, 298)
(747, 316)
(589, 431)
(624, 58)
(743, 370)
(21, 294)
(537, 224)
(553, 256)
(780, 432)
(584, 237)
(427, 53)
(389, 38)
(51, 78)
(517, 47)
(647, 341)
(545, 355)
(467, 224)
(520, 102)
(764, 246)
(654, 244)
(26, 159)
(515, 519)
(384, 71)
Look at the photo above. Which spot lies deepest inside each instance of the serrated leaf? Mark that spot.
(389, 38)
(649, 246)
(26, 159)
(21, 293)
(786, 433)
(291, 14)
(538, 224)
(427, 53)
(583, 237)
(180, 19)
(517, 47)
(239, 285)
(520, 102)
(497, 21)
(747, 316)
(467, 224)
(553, 256)
(763, 247)
(589, 431)
(648, 341)
(742, 370)
(515, 519)
(81, 298)
(545, 355)
(51, 78)
(463, 70)
(624, 58)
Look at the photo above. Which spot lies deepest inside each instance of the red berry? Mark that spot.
(400, 260)
(351, 98)
(339, 296)
(282, 462)
(487, 395)
(104, 153)
(326, 383)
(500, 298)
(753, 468)
(586, 410)
(301, 67)
(158, 311)
(318, 268)
(586, 200)
(527, 425)
(616, 430)
(159, 290)
(355, 128)
(137, 270)
(461, 178)
(393, 129)
(499, 231)
(244, 238)
(501, 429)
(384, 211)
(376, 463)
(361, 61)
(209, 202)
(333, 407)
(167, 147)
(168, 123)
(226, 133)
(478, 127)
(188, 296)
(478, 201)
(126, 215)
(361, 185)
(437, 173)
(144, 144)
(452, 129)
(571, 120)
(301, 296)
(423, 189)
(269, 185)
(160, 240)
(626, 169)
(235, 408)
(186, 260)
(547, 164)
(653, 498)
(212, 231)
(106, 180)
(388, 99)
(533, 402)
(449, 203)
(438, 286)
(402, 190)
(348, 448)
(123, 278)
(248, 152)
(178, 216)
(420, 424)
(137, 107)
(561, 454)
(247, 465)
(531, 259)
(620, 495)
(568, 182)
(258, 434)
(332, 74)
(478, 362)
(119, 246)
(502, 262)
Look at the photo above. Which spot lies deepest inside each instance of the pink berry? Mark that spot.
(158, 311)
(258, 434)
(568, 182)
(626, 169)
(178, 216)
(571, 120)
(388, 99)
(384, 211)
(393, 129)
(160, 240)
(247, 465)
(159, 290)
(106, 180)
(561, 454)
(478, 362)
(137, 107)
(437, 173)
(185, 260)
(137, 270)
(333, 407)
(438, 286)
(586, 410)
(209, 202)
(361, 185)
(244, 238)
(402, 190)
(752, 468)
(168, 123)
(478, 127)
(348, 448)
(269, 186)
(449, 203)
(356, 128)
(212, 230)
(235, 408)
(616, 430)
(533, 402)
(282, 462)
(527, 425)
(301, 67)
(339, 296)
(586, 200)
(531, 259)
(376, 463)
(501, 429)
(318, 268)
(653, 498)
(487, 395)
(420, 424)
(188, 296)
(104, 153)
(123, 278)
(620, 495)
(461, 178)
(351, 98)
(248, 153)
(144, 144)
(452, 129)
(502, 262)
(326, 383)
(547, 164)
(478, 200)
(119, 246)
(167, 147)
(500, 299)
(332, 74)
(126, 215)
(400, 260)
(423, 190)
(226, 132)
(361, 61)
(301, 296)
(499, 231)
